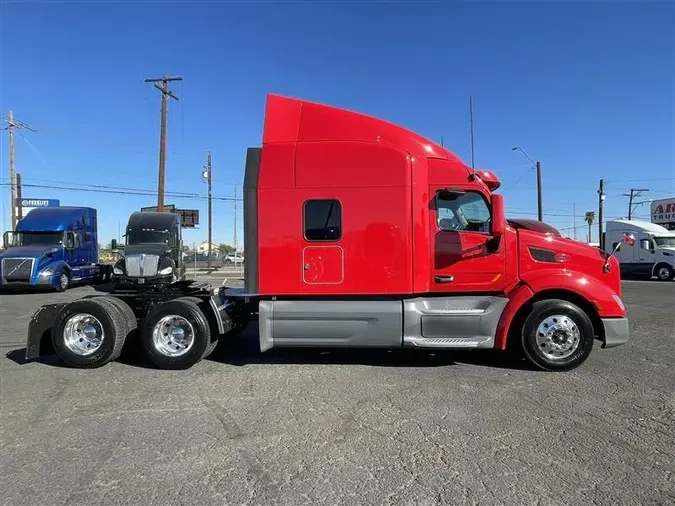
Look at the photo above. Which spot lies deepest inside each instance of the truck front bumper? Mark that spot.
(142, 282)
(616, 332)
(41, 282)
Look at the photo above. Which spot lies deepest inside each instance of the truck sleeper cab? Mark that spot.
(53, 247)
(653, 253)
(359, 233)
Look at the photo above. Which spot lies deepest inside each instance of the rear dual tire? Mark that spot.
(89, 333)
(177, 334)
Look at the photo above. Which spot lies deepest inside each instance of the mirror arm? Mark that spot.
(493, 243)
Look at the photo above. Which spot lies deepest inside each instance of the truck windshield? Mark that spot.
(147, 236)
(38, 238)
(665, 242)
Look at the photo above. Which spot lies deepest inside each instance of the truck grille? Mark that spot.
(17, 269)
(141, 266)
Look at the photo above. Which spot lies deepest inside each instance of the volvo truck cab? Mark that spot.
(53, 247)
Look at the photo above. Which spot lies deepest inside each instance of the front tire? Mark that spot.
(176, 335)
(665, 272)
(557, 335)
(64, 282)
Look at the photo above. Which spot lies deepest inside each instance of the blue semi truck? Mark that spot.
(53, 247)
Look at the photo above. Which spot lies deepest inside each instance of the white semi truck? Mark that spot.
(652, 254)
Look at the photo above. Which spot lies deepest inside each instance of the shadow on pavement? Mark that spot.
(18, 356)
(244, 350)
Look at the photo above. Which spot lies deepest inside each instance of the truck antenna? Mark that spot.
(473, 165)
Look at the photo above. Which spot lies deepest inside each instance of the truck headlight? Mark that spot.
(47, 272)
(618, 300)
(118, 271)
(165, 271)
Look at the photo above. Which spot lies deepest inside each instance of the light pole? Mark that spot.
(540, 205)
(206, 174)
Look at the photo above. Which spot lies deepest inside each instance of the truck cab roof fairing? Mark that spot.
(294, 120)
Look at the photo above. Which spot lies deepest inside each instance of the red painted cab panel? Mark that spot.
(314, 155)
(379, 173)
(348, 204)
(548, 262)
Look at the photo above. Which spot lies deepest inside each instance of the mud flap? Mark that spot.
(39, 330)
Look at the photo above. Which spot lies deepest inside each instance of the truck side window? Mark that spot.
(467, 212)
(322, 220)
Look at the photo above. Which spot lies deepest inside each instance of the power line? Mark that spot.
(93, 187)
(11, 125)
(634, 192)
(140, 193)
(639, 180)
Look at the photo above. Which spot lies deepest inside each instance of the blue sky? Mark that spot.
(586, 87)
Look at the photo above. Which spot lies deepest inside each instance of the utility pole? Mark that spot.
(164, 88)
(207, 175)
(540, 196)
(11, 125)
(634, 192)
(601, 200)
(574, 214)
(19, 197)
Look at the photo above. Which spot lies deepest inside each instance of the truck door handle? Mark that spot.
(444, 279)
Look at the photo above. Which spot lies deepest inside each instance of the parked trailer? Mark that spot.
(359, 233)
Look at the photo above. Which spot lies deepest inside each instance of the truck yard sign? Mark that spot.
(663, 212)
(28, 205)
(189, 218)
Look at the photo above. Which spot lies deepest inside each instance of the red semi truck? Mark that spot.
(360, 233)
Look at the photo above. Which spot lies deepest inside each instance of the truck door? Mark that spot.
(464, 258)
(646, 250)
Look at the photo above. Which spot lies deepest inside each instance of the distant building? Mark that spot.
(204, 247)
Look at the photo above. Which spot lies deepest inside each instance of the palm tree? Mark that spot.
(589, 218)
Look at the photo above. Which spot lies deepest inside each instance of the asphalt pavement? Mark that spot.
(300, 427)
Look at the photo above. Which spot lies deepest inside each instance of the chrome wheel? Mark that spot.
(63, 281)
(663, 273)
(83, 334)
(173, 336)
(558, 337)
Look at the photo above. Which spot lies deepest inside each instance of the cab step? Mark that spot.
(443, 342)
